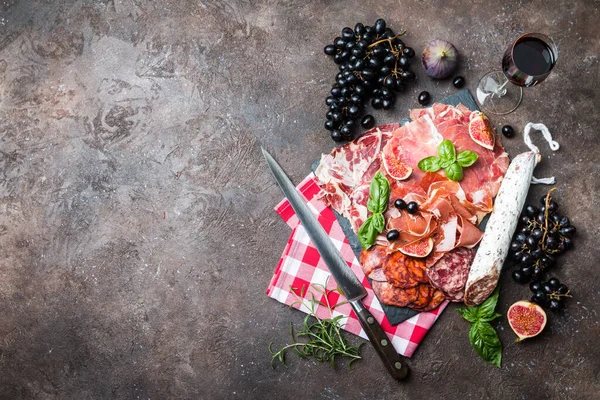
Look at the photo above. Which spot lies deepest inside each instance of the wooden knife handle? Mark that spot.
(394, 362)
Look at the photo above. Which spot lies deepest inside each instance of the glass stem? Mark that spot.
(500, 91)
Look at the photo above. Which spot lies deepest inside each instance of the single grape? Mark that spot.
(527, 271)
(537, 233)
(408, 52)
(403, 62)
(392, 235)
(377, 102)
(562, 289)
(555, 305)
(531, 211)
(458, 82)
(412, 207)
(424, 98)
(400, 204)
(535, 286)
(408, 75)
(330, 125)
(387, 104)
(380, 26)
(346, 131)
(515, 246)
(554, 283)
(547, 288)
(368, 121)
(521, 238)
(508, 131)
(540, 297)
(518, 276)
(568, 230)
(336, 135)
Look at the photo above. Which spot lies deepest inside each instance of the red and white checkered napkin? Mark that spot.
(301, 265)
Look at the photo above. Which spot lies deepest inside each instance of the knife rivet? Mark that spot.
(384, 342)
(398, 365)
(370, 320)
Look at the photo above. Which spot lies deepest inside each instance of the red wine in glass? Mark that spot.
(529, 60)
(526, 62)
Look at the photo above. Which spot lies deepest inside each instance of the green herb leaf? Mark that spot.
(489, 318)
(482, 335)
(372, 205)
(367, 233)
(380, 192)
(485, 341)
(454, 172)
(378, 222)
(430, 164)
(468, 313)
(466, 158)
(486, 309)
(446, 151)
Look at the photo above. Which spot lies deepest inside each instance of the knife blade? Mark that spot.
(349, 284)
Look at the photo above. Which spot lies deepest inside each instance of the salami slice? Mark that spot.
(403, 271)
(450, 273)
(393, 296)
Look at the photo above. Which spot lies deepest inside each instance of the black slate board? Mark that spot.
(396, 315)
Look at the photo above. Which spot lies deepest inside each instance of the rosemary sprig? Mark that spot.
(325, 339)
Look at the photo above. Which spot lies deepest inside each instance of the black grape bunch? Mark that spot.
(374, 65)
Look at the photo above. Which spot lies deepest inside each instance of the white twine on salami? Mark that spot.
(553, 146)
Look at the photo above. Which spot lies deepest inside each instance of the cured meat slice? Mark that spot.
(403, 271)
(393, 296)
(344, 175)
(422, 297)
(427, 299)
(371, 261)
(450, 273)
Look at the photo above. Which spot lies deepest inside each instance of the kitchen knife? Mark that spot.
(349, 284)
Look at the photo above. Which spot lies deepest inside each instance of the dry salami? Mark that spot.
(450, 273)
(485, 270)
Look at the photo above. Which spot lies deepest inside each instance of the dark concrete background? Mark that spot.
(137, 231)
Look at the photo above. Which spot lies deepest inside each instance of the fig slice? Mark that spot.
(526, 319)
(394, 167)
(419, 249)
(481, 130)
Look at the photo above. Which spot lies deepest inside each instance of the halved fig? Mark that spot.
(526, 319)
(394, 167)
(421, 248)
(481, 130)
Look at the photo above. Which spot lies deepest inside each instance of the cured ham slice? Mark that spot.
(345, 174)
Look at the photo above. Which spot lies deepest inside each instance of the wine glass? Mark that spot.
(527, 62)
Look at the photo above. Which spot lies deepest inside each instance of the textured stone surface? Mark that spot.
(137, 234)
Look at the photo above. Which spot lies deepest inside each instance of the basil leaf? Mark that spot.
(372, 205)
(366, 233)
(383, 192)
(430, 164)
(378, 222)
(486, 309)
(446, 151)
(446, 164)
(468, 313)
(454, 172)
(490, 317)
(466, 158)
(485, 341)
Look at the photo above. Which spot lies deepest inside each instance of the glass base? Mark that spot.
(497, 95)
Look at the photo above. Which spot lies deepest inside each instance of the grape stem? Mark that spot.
(548, 200)
(389, 40)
